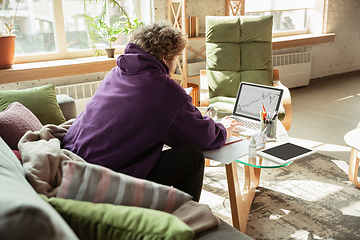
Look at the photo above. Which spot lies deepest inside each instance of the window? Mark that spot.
(39, 38)
(34, 31)
(290, 16)
(75, 24)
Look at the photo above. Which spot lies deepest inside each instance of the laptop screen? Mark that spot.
(251, 97)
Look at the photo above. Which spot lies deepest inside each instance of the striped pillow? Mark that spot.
(94, 183)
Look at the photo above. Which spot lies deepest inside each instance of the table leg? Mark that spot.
(207, 162)
(257, 172)
(240, 203)
(354, 167)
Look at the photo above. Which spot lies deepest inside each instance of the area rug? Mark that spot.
(310, 199)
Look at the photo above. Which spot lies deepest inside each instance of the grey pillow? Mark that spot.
(23, 214)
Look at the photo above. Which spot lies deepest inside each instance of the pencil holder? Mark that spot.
(268, 127)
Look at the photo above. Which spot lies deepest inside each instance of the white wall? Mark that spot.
(343, 55)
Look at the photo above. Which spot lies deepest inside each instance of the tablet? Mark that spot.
(286, 152)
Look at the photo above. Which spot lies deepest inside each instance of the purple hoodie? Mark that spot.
(134, 112)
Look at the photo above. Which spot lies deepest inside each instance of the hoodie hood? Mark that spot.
(135, 60)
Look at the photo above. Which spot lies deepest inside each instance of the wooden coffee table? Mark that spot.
(241, 199)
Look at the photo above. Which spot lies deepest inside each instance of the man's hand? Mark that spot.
(229, 124)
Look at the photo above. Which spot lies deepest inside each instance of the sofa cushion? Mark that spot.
(23, 214)
(39, 100)
(106, 221)
(67, 105)
(15, 121)
(94, 183)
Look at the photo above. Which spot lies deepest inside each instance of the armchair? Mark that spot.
(239, 49)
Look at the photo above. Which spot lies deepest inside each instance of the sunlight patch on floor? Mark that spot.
(275, 217)
(215, 202)
(302, 234)
(352, 210)
(344, 98)
(308, 190)
(342, 165)
(332, 148)
(216, 177)
(320, 146)
(285, 211)
(305, 143)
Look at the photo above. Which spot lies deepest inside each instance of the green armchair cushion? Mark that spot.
(226, 88)
(39, 100)
(256, 29)
(256, 57)
(238, 49)
(220, 28)
(220, 56)
(104, 221)
(259, 77)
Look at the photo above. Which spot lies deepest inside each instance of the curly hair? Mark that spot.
(160, 39)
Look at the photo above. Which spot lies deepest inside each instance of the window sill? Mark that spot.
(59, 68)
(67, 67)
(302, 40)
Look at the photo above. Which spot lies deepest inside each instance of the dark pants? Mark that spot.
(181, 167)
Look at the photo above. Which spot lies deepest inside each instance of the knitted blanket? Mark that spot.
(42, 157)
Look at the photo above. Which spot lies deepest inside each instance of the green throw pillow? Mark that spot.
(39, 100)
(106, 221)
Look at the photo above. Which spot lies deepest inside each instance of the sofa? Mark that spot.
(29, 214)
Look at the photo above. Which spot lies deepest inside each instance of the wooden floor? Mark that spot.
(324, 111)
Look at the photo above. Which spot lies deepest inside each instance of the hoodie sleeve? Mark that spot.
(190, 127)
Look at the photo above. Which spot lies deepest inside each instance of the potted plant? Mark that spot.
(98, 28)
(7, 43)
(109, 32)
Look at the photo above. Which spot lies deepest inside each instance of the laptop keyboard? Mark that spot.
(246, 123)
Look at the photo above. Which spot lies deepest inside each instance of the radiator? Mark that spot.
(294, 68)
(78, 91)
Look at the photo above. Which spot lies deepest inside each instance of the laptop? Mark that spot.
(250, 100)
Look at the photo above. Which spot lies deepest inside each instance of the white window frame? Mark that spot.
(60, 36)
(315, 20)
